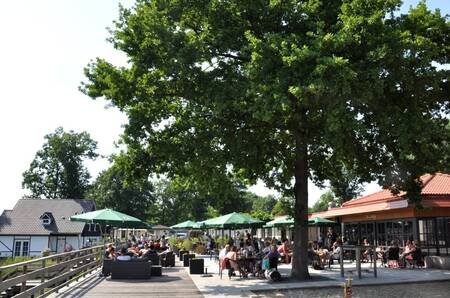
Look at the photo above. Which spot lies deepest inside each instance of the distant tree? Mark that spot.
(324, 202)
(57, 170)
(345, 185)
(211, 212)
(264, 204)
(114, 189)
(283, 206)
(262, 215)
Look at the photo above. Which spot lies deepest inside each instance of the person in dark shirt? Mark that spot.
(331, 238)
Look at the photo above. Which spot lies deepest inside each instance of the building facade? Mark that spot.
(35, 225)
(382, 217)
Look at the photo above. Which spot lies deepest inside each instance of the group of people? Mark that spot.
(247, 257)
(136, 249)
(392, 257)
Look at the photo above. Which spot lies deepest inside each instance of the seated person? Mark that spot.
(163, 242)
(232, 258)
(408, 251)
(164, 252)
(123, 256)
(273, 257)
(285, 252)
(367, 254)
(393, 255)
(224, 251)
(335, 255)
(211, 244)
(145, 250)
(109, 246)
(313, 257)
(111, 254)
(266, 248)
(133, 250)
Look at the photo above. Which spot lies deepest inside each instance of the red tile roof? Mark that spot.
(433, 185)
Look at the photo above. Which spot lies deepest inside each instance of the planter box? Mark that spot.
(437, 262)
(186, 258)
(196, 266)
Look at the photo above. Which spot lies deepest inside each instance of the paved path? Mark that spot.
(175, 282)
(214, 287)
(417, 290)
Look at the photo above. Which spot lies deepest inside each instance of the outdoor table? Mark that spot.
(248, 263)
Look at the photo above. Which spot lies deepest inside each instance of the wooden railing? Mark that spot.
(40, 277)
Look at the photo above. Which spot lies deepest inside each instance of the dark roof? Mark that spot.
(24, 219)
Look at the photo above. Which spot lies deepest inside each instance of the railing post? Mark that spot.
(43, 276)
(358, 261)
(24, 283)
(341, 261)
(374, 253)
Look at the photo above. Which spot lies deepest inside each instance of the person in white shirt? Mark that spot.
(224, 252)
(336, 254)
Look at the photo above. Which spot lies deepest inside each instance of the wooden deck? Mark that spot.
(175, 282)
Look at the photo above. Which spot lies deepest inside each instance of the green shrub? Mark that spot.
(46, 252)
(200, 249)
(187, 245)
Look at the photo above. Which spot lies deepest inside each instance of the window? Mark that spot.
(92, 227)
(46, 219)
(21, 248)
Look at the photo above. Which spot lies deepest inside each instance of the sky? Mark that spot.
(44, 47)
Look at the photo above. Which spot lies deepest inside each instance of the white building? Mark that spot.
(36, 225)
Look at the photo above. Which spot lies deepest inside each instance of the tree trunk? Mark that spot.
(300, 255)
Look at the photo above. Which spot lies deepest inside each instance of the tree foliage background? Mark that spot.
(57, 171)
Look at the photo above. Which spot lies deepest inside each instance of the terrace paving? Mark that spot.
(176, 282)
(240, 287)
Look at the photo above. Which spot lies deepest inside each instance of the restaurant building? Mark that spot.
(382, 217)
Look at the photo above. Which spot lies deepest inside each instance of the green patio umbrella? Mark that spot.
(319, 221)
(233, 220)
(277, 222)
(284, 221)
(110, 217)
(188, 224)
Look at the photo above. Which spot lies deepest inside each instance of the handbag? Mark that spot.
(265, 264)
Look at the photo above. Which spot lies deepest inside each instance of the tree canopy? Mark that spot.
(57, 171)
(114, 189)
(324, 202)
(281, 91)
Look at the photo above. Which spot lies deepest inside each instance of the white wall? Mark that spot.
(74, 241)
(37, 245)
(6, 246)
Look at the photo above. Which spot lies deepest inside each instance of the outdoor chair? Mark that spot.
(131, 269)
(393, 255)
(186, 258)
(154, 258)
(168, 259)
(106, 267)
(416, 260)
(225, 265)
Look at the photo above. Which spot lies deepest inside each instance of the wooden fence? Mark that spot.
(40, 277)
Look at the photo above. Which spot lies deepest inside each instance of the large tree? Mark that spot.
(57, 171)
(115, 188)
(281, 91)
